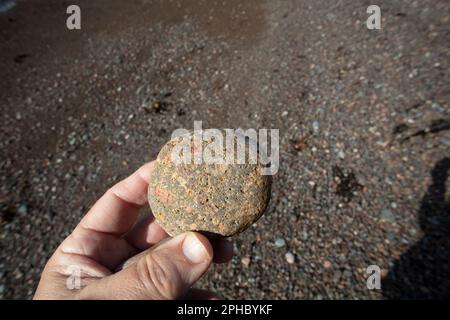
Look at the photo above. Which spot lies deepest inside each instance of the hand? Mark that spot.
(110, 256)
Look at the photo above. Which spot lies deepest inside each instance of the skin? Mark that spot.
(117, 257)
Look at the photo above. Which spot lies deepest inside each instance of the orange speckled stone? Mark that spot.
(219, 199)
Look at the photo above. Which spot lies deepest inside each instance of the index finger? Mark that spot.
(117, 210)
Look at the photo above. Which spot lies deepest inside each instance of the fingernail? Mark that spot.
(194, 249)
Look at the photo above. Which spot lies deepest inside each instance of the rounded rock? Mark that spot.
(214, 198)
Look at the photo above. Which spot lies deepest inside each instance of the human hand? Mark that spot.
(113, 257)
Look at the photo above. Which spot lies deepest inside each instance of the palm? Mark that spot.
(107, 237)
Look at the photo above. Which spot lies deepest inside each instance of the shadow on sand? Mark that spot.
(423, 271)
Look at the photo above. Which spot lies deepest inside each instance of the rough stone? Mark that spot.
(218, 199)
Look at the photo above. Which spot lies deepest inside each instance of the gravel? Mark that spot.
(279, 243)
(290, 258)
(363, 118)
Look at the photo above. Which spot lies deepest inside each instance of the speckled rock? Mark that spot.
(220, 199)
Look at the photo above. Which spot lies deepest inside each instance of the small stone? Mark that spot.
(387, 215)
(280, 242)
(337, 276)
(139, 89)
(413, 73)
(347, 274)
(391, 237)
(290, 258)
(341, 154)
(413, 231)
(436, 106)
(315, 126)
(284, 113)
(331, 17)
(305, 235)
(23, 209)
(446, 142)
(327, 264)
(245, 261)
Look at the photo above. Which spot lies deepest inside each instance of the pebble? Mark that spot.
(387, 215)
(437, 107)
(446, 142)
(280, 242)
(245, 261)
(327, 264)
(305, 235)
(315, 126)
(341, 154)
(337, 276)
(347, 274)
(23, 209)
(290, 258)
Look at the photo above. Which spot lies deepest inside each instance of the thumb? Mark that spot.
(166, 271)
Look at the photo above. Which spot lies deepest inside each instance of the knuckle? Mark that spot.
(160, 280)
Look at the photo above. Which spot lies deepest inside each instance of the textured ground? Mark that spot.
(363, 118)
